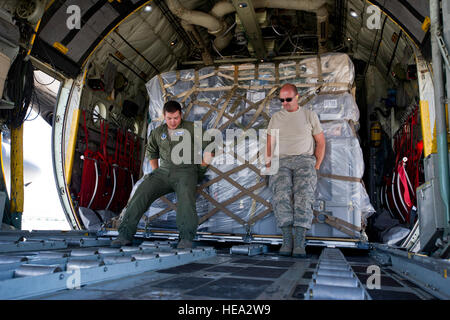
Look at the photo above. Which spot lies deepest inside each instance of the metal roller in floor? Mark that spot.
(334, 279)
(144, 256)
(183, 251)
(337, 273)
(120, 259)
(164, 254)
(108, 250)
(327, 262)
(130, 249)
(149, 244)
(12, 259)
(83, 252)
(32, 270)
(333, 292)
(83, 264)
(334, 267)
(52, 255)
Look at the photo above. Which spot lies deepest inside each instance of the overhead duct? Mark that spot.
(220, 10)
(322, 28)
(214, 23)
(31, 10)
(223, 8)
(190, 28)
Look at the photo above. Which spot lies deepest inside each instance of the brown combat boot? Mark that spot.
(299, 243)
(286, 248)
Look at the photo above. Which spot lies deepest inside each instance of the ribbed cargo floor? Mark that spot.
(226, 276)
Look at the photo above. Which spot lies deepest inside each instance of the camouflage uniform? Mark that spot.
(293, 189)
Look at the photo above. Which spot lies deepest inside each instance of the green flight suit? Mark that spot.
(169, 177)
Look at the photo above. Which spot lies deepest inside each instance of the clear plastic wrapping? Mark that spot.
(335, 107)
(245, 97)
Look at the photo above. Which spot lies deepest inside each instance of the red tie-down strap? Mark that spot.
(123, 180)
(403, 191)
(104, 188)
(88, 177)
(418, 149)
(407, 172)
(417, 157)
(410, 144)
(114, 167)
(415, 148)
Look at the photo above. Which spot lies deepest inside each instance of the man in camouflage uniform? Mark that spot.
(173, 173)
(301, 152)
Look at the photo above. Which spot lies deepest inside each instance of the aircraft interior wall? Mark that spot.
(111, 118)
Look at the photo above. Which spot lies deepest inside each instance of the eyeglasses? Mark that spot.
(287, 99)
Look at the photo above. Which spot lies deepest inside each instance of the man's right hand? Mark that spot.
(154, 164)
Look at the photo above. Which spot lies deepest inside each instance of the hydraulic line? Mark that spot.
(19, 89)
(96, 184)
(400, 193)
(393, 196)
(114, 187)
(407, 176)
(387, 203)
(409, 182)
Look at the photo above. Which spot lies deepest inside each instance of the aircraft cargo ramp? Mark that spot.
(82, 266)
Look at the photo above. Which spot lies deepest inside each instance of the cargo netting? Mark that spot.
(234, 198)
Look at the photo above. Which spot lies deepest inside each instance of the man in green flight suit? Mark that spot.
(175, 172)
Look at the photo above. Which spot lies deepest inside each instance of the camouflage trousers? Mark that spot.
(293, 189)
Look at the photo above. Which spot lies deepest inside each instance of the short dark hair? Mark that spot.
(171, 107)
